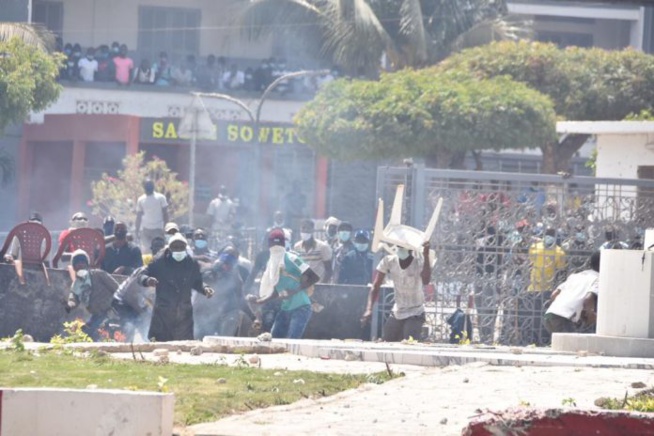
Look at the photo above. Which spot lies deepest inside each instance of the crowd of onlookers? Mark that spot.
(113, 64)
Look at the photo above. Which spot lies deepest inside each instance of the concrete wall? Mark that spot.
(45, 412)
(619, 156)
(95, 22)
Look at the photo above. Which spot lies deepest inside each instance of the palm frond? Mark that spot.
(489, 31)
(413, 28)
(32, 34)
(260, 18)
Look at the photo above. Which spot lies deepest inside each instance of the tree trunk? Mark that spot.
(479, 165)
(441, 158)
(557, 155)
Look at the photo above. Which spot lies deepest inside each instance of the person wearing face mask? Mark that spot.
(577, 247)
(343, 246)
(123, 66)
(356, 268)
(316, 253)
(331, 229)
(548, 269)
(409, 275)
(222, 316)
(88, 66)
(151, 214)
(92, 289)
(121, 256)
(287, 277)
(174, 275)
(201, 251)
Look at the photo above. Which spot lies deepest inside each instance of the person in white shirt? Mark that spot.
(573, 303)
(409, 275)
(317, 254)
(151, 215)
(233, 79)
(88, 66)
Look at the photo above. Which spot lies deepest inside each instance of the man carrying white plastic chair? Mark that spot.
(408, 264)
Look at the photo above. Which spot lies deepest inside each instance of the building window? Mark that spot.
(566, 39)
(50, 14)
(173, 30)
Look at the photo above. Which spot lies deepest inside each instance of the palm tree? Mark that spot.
(32, 34)
(356, 33)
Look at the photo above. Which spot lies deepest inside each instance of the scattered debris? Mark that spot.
(638, 385)
(298, 381)
(160, 352)
(443, 421)
(265, 337)
(516, 350)
(466, 380)
(255, 360)
(28, 338)
(92, 387)
(221, 381)
(582, 353)
(196, 351)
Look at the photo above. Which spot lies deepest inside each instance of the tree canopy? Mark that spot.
(584, 84)
(27, 80)
(420, 114)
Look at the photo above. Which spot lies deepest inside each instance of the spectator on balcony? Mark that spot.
(234, 78)
(88, 66)
(262, 76)
(115, 49)
(144, 74)
(124, 66)
(206, 76)
(106, 71)
(221, 67)
(162, 71)
(248, 79)
(183, 75)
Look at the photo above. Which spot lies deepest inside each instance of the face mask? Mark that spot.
(344, 235)
(179, 255)
(549, 241)
(581, 237)
(361, 246)
(227, 260)
(82, 274)
(306, 236)
(201, 244)
(120, 235)
(402, 253)
(277, 251)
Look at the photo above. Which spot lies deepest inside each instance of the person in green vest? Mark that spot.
(289, 278)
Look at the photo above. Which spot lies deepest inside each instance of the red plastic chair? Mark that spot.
(31, 237)
(89, 240)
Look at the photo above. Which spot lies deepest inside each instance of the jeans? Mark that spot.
(395, 330)
(290, 324)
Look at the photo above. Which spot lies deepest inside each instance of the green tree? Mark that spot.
(354, 34)
(584, 84)
(28, 80)
(421, 114)
(117, 196)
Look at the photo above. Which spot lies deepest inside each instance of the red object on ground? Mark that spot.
(561, 422)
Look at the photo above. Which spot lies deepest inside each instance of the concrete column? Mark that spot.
(77, 176)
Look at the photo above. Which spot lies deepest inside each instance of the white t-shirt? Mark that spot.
(570, 301)
(151, 206)
(220, 209)
(232, 81)
(316, 256)
(409, 295)
(87, 69)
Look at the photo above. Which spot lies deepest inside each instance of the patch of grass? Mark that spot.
(641, 402)
(198, 394)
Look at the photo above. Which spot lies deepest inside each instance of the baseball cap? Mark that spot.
(171, 226)
(361, 235)
(276, 237)
(177, 237)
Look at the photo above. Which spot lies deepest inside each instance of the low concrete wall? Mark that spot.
(561, 422)
(39, 309)
(46, 412)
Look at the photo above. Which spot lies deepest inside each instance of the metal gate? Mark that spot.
(491, 262)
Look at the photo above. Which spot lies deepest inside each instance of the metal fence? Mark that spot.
(491, 261)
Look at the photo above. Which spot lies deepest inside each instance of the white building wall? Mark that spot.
(619, 156)
(95, 22)
(156, 104)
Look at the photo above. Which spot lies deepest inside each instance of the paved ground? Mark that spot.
(428, 400)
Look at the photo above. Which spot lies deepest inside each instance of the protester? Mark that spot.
(315, 253)
(287, 277)
(331, 231)
(151, 214)
(343, 246)
(158, 243)
(221, 212)
(572, 306)
(94, 290)
(201, 251)
(174, 274)
(356, 267)
(409, 275)
(121, 256)
(77, 221)
(222, 315)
